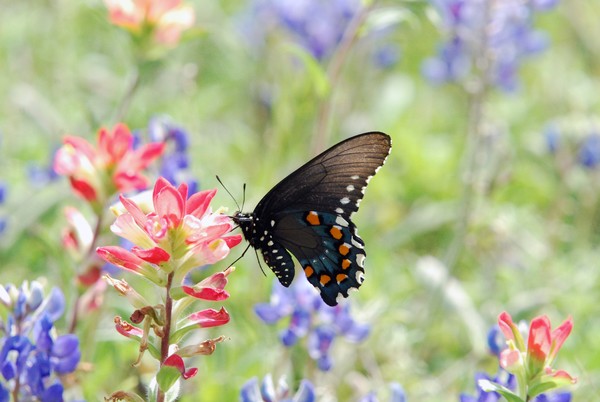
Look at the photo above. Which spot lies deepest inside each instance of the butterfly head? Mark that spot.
(246, 223)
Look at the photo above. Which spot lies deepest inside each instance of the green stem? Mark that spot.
(164, 345)
(123, 106)
(333, 73)
(474, 157)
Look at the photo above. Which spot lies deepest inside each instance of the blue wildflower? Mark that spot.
(510, 39)
(505, 379)
(310, 317)
(31, 356)
(495, 340)
(175, 161)
(266, 391)
(397, 394)
(589, 153)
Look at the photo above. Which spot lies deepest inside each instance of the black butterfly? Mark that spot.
(308, 214)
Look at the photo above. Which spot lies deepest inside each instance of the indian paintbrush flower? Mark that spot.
(172, 233)
(530, 360)
(162, 20)
(98, 172)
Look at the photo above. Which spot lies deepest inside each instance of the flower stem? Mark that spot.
(164, 345)
(123, 106)
(333, 73)
(474, 156)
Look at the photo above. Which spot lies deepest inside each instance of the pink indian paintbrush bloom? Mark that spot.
(532, 359)
(96, 172)
(164, 19)
(177, 234)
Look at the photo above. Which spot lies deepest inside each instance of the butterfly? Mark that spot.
(309, 215)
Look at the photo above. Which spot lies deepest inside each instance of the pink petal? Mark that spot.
(177, 362)
(82, 146)
(84, 189)
(127, 181)
(122, 142)
(139, 217)
(169, 204)
(509, 359)
(147, 153)
(539, 340)
(232, 240)
(198, 203)
(210, 318)
(126, 329)
(183, 190)
(561, 375)
(209, 294)
(559, 335)
(507, 326)
(120, 257)
(154, 255)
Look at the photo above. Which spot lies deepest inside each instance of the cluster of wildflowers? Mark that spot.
(501, 32)
(32, 357)
(310, 316)
(160, 21)
(174, 164)
(573, 142)
(172, 233)
(397, 394)
(266, 391)
(98, 172)
(526, 371)
(317, 26)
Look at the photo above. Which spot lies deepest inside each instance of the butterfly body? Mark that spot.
(309, 213)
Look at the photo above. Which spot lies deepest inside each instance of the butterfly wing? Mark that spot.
(333, 181)
(308, 213)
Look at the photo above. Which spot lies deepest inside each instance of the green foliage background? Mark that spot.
(531, 246)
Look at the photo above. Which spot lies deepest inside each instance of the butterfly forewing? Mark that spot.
(308, 213)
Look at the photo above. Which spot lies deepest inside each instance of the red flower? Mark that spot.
(165, 19)
(88, 167)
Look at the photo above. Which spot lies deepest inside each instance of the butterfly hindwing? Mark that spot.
(309, 214)
(328, 248)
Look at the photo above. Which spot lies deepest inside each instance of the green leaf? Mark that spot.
(489, 386)
(167, 376)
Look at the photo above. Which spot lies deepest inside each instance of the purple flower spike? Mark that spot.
(31, 352)
(500, 31)
(309, 315)
(268, 392)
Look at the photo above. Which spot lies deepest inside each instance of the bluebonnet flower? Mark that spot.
(573, 141)
(175, 161)
(589, 152)
(397, 394)
(500, 31)
(495, 340)
(31, 355)
(266, 391)
(311, 317)
(509, 381)
(317, 26)
(41, 175)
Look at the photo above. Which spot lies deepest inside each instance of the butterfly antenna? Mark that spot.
(243, 197)
(232, 197)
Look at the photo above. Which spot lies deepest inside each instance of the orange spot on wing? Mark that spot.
(340, 277)
(325, 279)
(313, 218)
(335, 232)
(308, 270)
(343, 249)
(346, 263)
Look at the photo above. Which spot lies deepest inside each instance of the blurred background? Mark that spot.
(488, 202)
